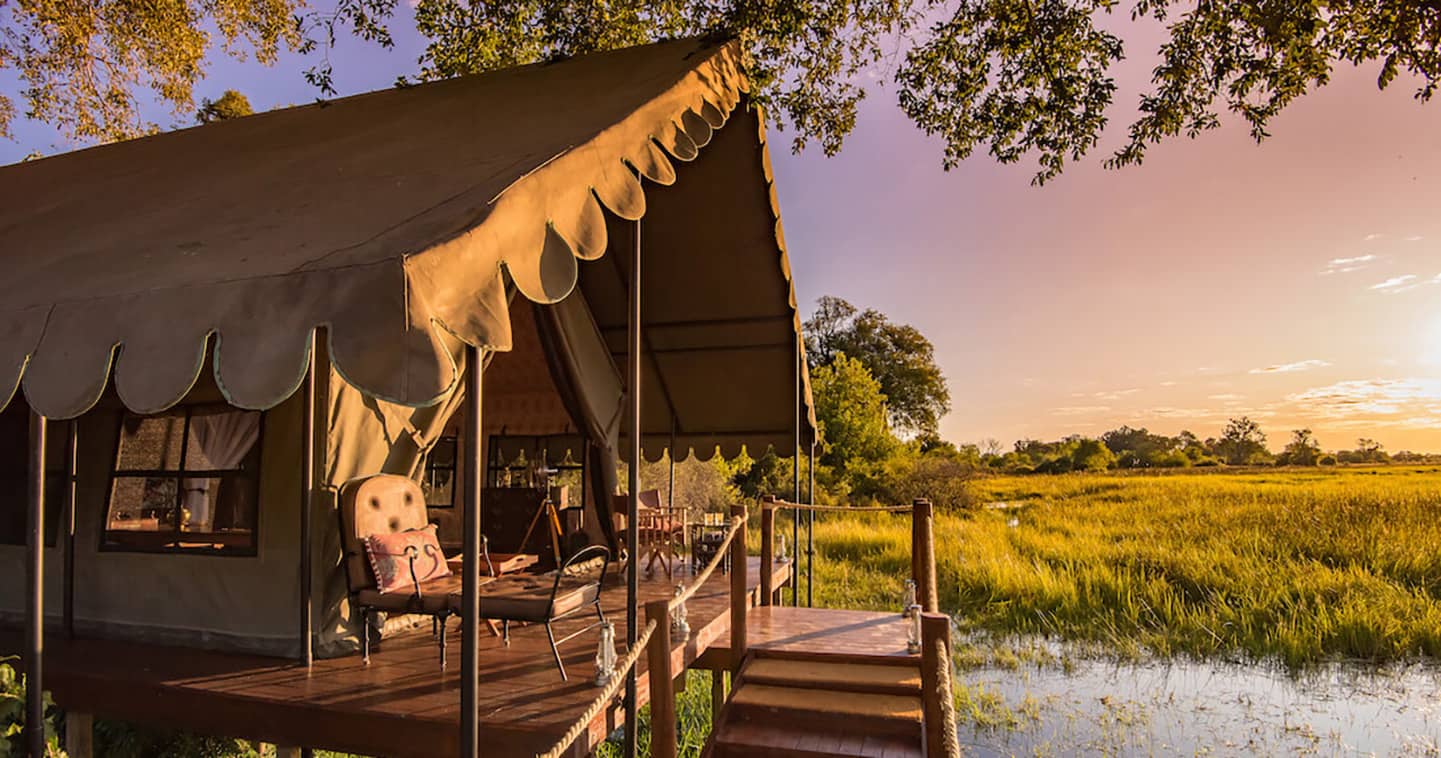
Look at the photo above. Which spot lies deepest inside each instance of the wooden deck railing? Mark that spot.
(939, 715)
(655, 643)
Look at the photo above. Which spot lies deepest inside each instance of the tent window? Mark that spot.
(186, 481)
(14, 475)
(439, 482)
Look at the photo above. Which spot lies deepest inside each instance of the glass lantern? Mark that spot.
(908, 601)
(781, 549)
(913, 629)
(679, 627)
(605, 657)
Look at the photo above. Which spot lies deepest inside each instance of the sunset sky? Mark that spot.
(1298, 282)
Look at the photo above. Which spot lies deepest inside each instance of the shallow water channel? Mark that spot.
(1093, 706)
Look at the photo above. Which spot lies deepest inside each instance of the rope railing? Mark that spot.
(704, 576)
(946, 695)
(606, 697)
(842, 508)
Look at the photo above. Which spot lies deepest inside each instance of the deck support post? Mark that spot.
(307, 490)
(662, 691)
(287, 751)
(768, 551)
(72, 451)
(35, 594)
(739, 595)
(472, 465)
(717, 693)
(923, 554)
(936, 627)
(632, 525)
(79, 734)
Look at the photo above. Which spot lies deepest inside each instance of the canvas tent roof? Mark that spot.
(388, 218)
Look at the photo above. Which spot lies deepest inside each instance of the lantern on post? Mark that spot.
(908, 601)
(679, 627)
(605, 657)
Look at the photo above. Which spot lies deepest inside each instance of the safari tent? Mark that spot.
(205, 334)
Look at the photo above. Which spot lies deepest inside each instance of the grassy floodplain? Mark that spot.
(1293, 566)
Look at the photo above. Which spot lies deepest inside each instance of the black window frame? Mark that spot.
(179, 474)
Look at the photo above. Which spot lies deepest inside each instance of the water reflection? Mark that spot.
(1187, 708)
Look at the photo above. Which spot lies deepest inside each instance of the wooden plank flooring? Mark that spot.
(822, 632)
(401, 705)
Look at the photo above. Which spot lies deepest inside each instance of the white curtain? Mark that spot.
(224, 439)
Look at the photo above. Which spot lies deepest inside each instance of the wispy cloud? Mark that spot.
(1372, 236)
(1227, 397)
(1347, 265)
(1414, 238)
(1416, 398)
(1168, 384)
(1396, 284)
(1289, 368)
(1114, 395)
(1079, 410)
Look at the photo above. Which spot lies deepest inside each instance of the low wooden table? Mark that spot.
(503, 563)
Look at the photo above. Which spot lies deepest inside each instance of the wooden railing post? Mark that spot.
(768, 549)
(739, 599)
(936, 685)
(923, 555)
(662, 691)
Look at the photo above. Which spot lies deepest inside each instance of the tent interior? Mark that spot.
(188, 486)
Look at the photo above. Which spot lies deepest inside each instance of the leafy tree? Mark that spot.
(1302, 450)
(851, 410)
(1092, 455)
(1242, 442)
(231, 104)
(897, 355)
(1017, 78)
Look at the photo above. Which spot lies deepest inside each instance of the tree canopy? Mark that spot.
(898, 356)
(1019, 79)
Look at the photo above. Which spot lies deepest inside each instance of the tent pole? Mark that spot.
(811, 530)
(35, 594)
(307, 488)
(796, 489)
(72, 449)
(470, 560)
(632, 527)
(670, 491)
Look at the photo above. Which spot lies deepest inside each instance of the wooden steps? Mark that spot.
(802, 707)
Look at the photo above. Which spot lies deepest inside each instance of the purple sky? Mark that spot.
(1298, 282)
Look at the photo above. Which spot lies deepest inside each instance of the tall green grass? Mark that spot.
(1293, 566)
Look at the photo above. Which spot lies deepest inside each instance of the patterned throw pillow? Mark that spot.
(390, 558)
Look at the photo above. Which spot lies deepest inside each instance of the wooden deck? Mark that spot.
(401, 705)
(817, 632)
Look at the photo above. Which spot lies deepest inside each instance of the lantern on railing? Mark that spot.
(605, 657)
(781, 549)
(913, 629)
(679, 627)
(908, 601)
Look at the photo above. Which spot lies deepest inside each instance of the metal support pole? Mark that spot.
(811, 531)
(35, 595)
(470, 559)
(632, 529)
(796, 489)
(72, 451)
(307, 489)
(670, 496)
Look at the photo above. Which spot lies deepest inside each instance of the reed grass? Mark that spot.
(1298, 567)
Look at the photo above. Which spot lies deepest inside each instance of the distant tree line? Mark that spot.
(1241, 443)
